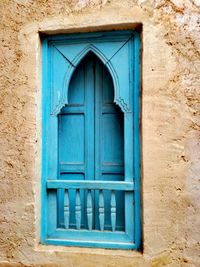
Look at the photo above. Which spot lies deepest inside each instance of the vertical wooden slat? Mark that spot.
(78, 209)
(66, 209)
(129, 172)
(113, 210)
(101, 210)
(137, 140)
(89, 209)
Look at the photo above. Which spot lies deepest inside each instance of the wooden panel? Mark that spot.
(108, 168)
(110, 109)
(74, 109)
(76, 91)
(110, 49)
(108, 90)
(66, 167)
(71, 138)
(112, 176)
(112, 138)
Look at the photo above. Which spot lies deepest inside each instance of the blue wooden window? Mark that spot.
(90, 140)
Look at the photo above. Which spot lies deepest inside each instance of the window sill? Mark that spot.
(91, 251)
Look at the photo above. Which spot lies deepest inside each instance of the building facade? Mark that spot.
(169, 128)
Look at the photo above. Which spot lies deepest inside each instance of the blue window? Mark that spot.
(90, 140)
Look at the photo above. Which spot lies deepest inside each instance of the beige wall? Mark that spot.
(170, 128)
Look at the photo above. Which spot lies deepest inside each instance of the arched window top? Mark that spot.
(90, 50)
(116, 52)
(94, 57)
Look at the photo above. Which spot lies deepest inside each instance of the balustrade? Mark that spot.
(91, 209)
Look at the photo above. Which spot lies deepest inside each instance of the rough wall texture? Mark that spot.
(170, 128)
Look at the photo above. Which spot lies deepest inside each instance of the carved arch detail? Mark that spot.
(118, 99)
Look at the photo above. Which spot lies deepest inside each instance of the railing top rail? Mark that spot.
(84, 184)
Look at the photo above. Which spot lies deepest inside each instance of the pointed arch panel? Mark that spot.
(115, 53)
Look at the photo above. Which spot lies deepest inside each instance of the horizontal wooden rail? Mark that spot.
(71, 184)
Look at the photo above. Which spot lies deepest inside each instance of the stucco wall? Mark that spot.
(170, 128)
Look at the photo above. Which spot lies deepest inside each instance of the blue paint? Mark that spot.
(137, 194)
(110, 49)
(89, 147)
(66, 209)
(78, 210)
(86, 184)
(113, 210)
(101, 210)
(89, 209)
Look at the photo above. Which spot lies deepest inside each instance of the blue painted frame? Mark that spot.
(117, 241)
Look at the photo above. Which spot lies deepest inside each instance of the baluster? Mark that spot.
(89, 209)
(66, 209)
(113, 210)
(78, 209)
(101, 210)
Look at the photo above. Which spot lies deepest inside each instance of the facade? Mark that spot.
(168, 32)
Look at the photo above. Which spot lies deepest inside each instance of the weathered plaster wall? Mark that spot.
(170, 128)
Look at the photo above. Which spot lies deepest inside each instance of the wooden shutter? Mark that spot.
(90, 176)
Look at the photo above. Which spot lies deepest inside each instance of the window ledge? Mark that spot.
(93, 251)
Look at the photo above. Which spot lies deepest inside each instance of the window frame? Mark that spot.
(133, 64)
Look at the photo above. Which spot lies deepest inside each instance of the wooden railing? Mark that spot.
(88, 186)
